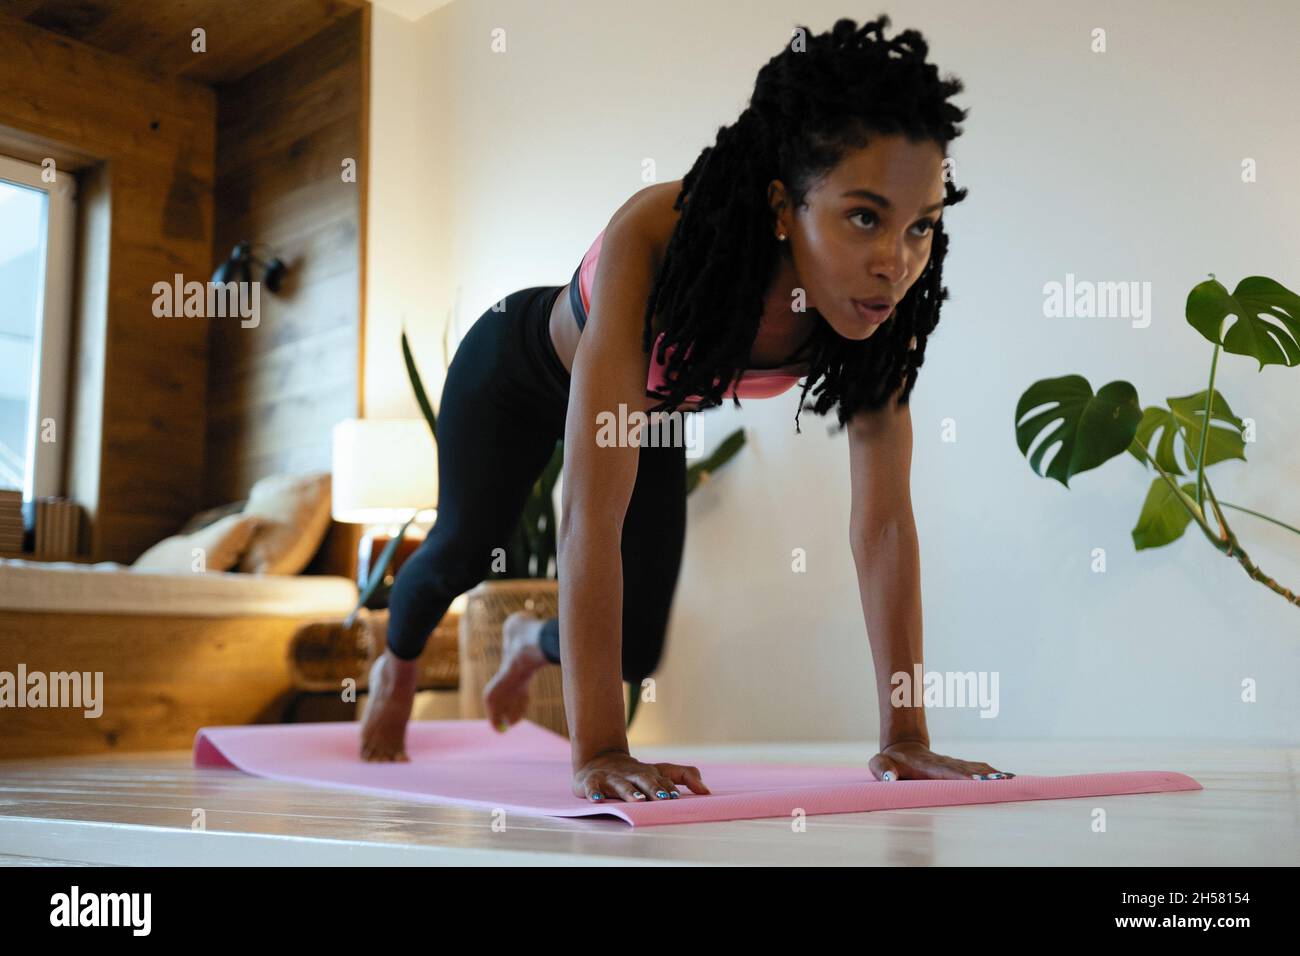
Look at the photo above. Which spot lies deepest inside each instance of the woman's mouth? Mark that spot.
(875, 314)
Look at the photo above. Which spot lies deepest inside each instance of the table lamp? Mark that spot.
(385, 470)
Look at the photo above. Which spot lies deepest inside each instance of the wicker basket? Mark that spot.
(439, 662)
(486, 609)
(325, 653)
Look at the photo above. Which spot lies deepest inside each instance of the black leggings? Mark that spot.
(502, 410)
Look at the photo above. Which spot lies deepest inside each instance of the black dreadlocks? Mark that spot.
(811, 105)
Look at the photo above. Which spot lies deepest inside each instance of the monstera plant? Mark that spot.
(1185, 436)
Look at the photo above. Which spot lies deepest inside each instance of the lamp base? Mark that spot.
(368, 553)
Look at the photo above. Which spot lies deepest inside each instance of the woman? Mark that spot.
(806, 243)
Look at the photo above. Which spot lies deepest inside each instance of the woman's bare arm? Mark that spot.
(887, 556)
(609, 369)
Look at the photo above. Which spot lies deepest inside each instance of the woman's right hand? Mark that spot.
(616, 773)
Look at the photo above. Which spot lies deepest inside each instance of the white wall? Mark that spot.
(492, 172)
(408, 220)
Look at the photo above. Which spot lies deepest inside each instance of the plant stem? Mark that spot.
(1227, 544)
(1223, 522)
(1205, 425)
(1183, 499)
(1224, 531)
(1283, 524)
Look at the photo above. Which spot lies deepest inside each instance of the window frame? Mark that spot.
(52, 347)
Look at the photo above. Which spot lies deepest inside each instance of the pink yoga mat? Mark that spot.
(526, 770)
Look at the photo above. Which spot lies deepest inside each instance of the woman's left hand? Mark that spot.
(913, 760)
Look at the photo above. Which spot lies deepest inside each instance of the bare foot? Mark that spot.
(388, 708)
(506, 695)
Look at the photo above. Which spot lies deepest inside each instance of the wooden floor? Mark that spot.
(138, 809)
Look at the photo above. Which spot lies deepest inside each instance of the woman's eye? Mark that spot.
(930, 223)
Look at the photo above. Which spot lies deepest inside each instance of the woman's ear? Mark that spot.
(776, 199)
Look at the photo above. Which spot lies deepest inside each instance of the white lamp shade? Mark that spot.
(383, 469)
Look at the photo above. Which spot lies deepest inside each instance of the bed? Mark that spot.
(175, 651)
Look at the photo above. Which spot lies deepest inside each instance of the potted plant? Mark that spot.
(1098, 427)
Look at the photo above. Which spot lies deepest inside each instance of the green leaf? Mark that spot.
(725, 451)
(534, 535)
(1164, 517)
(546, 481)
(380, 569)
(549, 525)
(1093, 428)
(1184, 417)
(528, 521)
(418, 387)
(543, 512)
(1271, 341)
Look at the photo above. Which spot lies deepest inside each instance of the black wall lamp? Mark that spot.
(238, 268)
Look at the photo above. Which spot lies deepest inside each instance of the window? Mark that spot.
(36, 246)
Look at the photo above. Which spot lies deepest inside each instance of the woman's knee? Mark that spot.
(444, 567)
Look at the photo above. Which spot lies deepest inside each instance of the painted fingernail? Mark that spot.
(888, 775)
(638, 795)
(997, 776)
(661, 794)
(598, 796)
(977, 776)
(674, 795)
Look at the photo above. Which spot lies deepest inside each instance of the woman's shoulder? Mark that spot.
(650, 212)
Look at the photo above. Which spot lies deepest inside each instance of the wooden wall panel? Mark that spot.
(168, 415)
(283, 132)
(241, 35)
(155, 137)
(89, 336)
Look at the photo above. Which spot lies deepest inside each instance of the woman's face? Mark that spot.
(865, 231)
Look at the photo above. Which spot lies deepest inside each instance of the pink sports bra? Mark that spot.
(753, 383)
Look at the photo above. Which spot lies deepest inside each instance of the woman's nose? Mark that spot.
(888, 262)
